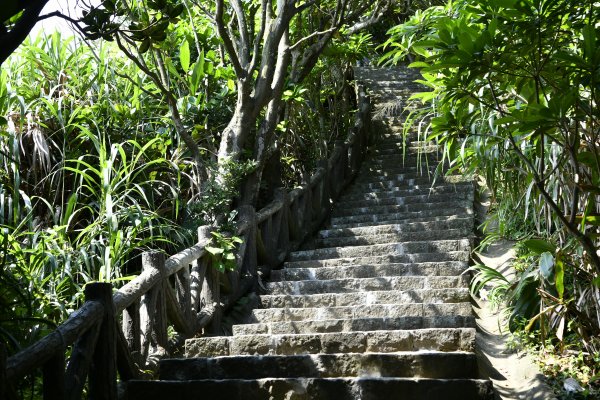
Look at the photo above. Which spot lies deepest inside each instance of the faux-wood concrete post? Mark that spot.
(103, 371)
(210, 296)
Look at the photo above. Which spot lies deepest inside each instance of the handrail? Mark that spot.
(184, 289)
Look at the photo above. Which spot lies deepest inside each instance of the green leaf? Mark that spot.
(539, 246)
(559, 273)
(215, 251)
(184, 55)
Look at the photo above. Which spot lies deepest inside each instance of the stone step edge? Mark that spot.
(379, 341)
(358, 298)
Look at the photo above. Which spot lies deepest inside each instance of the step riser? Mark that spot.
(357, 325)
(408, 183)
(395, 259)
(451, 339)
(305, 389)
(449, 189)
(440, 246)
(427, 365)
(369, 271)
(425, 187)
(455, 224)
(361, 312)
(401, 208)
(367, 284)
(426, 215)
(456, 197)
(456, 295)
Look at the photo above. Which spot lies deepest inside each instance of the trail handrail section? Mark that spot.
(114, 335)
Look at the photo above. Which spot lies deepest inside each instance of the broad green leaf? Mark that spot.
(184, 55)
(539, 246)
(214, 250)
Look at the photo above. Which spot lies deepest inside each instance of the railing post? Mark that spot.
(153, 313)
(183, 291)
(103, 371)
(210, 294)
(281, 230)
(131, 330)
(53, 379)
(3, 380)
(325, 189)
(247, 249)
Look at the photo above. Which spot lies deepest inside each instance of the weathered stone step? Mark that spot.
(432, 203)
(342, 225)
(366, 284)
(449, 365)
(438, 246)
(313, 388)
(384, 311)
(393, 237)
(416, 183)
(390, 218)
(385, 186)
(441, 268)
(354, 325)
(448, 188)
(400, 178)
(371, 201)
(446, 295)
(465, 223)
(388, 258)
(391, 161)
(331, 342)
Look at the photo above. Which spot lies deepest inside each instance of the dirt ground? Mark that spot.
(514, 374)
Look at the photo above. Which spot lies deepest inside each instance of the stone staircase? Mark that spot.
(375, 307)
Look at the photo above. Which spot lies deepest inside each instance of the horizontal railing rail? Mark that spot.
(116, 335)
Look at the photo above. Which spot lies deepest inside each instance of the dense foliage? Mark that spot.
(514, 95)
(110, 144)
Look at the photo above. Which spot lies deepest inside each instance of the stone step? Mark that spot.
(313, 388)
(390, 161)
(446, 295)
(438, 246)
(366, 284)
(388, 258)
(372, 201)
(435, 214)
(383, 311)
(431, 203)
(333, 341)
(434, 364)
(400, 178)
(393, 237)
(420, 190)
(409, 227)
(354, 325)
(442, 268)
(387, 186)
(424, 219)
(416, 183)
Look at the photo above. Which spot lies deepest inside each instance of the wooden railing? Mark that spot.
(115, 335)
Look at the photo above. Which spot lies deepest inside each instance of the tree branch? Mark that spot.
(12, 39)
(229, 47)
